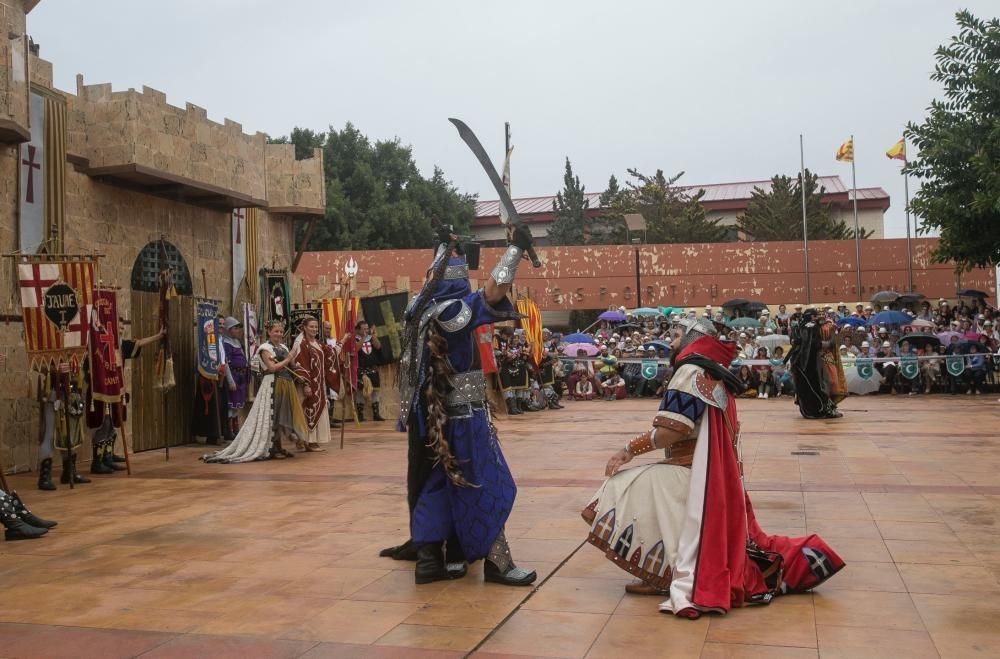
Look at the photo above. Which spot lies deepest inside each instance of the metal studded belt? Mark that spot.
(464, 410)
(468, 387)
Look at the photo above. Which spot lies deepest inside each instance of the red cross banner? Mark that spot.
(106, 378)
(42, 176)
(56, 301)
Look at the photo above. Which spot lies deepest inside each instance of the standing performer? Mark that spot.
(367, 348)
(237, 373)
(812, 393)
(276, 411)
(61, 426)
(685, 526)
(830, 364)
(460, 489)
(316, 363)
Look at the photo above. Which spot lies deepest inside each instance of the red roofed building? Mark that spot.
(721, 200)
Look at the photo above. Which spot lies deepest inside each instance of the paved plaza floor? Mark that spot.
(280, 558)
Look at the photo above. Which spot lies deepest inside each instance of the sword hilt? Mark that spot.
(533, 257)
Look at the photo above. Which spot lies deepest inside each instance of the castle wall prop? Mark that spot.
(138, 169)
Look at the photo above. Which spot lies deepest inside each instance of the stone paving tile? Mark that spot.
(280, 558)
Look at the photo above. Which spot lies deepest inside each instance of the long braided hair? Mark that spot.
(439, 370)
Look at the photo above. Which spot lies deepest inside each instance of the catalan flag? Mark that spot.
(341, 325)
(531, 323)
(846, 151)
(897, 151)
(56, 301)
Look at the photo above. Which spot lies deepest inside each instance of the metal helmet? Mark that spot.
(695, 328)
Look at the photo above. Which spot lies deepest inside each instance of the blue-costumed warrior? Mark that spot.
(459, 488)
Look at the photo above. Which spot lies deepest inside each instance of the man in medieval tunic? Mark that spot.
(237, 373)
(812, 387)
(367, 349)
(460, 489)
(685, 525)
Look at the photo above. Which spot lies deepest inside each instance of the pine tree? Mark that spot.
(609, 227)
(570, 209)
(672, 214)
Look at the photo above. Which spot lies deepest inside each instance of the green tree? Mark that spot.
(376, 197)
(672, 213)
(570, 207)
(959, 148)
(609, 227)
(776, 214)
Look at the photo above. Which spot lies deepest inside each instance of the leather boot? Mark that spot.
(553, 401)
(430, 564)
(512, 408)
(69, 467)
(515, 576)
(375, 415)
(16, 528)
(27, 516)
(360, 407)
(97, 465)
(109, 462)
(526, 405)
(45, 476)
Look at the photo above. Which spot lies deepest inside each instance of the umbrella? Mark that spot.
(743, 322)
(910, 298)
(628, 327)
(971, 292)
(772, 341)
(921, 340)
(588, 348)
(890, 318)
(882, 297)
(578, 337)
(945, 337)
(920, 322)
(754, 307)
(612, 316)
(735, 302)
(646, 311)
(666, 311)
(853, 321)
(658, 346)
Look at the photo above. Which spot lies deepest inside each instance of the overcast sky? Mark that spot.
(718, 89)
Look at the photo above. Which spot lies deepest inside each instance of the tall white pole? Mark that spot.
(909, 248)
(857, 230)
(805, 227)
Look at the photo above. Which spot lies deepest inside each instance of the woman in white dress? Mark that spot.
(276, 411)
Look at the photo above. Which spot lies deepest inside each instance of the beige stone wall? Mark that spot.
(292, 182)
(13, 85)
(117, 223)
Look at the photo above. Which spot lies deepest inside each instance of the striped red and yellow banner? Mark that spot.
(45, 341)
(532, 326)
(333, 313)
(55, 172)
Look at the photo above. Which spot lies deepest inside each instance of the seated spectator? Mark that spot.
(613, 387)
(584, 390)
(763, 374)
(887, 370)
(749, 381)
(975, 370)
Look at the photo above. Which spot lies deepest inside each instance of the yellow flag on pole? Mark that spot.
(846, 151)
(897, 151)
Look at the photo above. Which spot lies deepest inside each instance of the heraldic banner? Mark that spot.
(275, 296)
(56, 300)
(209, 355)
(106, 378)
(341, 325)
(532, 326)
(384, 314)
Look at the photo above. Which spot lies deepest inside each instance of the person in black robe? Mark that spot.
(811, 390)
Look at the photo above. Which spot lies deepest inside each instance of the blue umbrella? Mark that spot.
(645, 311)
(890, 317)
(659, 346)
(579, 337)
(853, 321)
(612, 316)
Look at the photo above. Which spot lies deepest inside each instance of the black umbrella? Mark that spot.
(910, 298)
(884, 297)
(921, 340)
(971, 292)
(754, 307)
(735, 302)
(628, 327)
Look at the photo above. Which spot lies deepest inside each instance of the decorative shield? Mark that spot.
(60, 305)
(955, 364)
(866, 368)
(649, 369)
(909, 367)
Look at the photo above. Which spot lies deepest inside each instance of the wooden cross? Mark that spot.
(29, 196)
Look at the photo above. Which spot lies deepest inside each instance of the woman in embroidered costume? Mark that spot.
(460, 489)
(685, 526)
(316, 363)
(276, 411)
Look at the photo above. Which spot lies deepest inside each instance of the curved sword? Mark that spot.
(477, 149)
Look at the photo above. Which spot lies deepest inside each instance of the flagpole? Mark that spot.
(909, 248)
(857, 230)
(805, 230)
